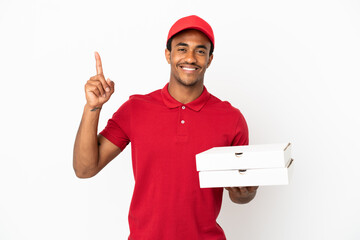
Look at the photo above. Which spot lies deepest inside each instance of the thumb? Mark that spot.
(111, 84)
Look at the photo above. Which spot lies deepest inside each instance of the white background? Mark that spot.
(291, 67)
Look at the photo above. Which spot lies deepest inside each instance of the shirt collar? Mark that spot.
(196, 105)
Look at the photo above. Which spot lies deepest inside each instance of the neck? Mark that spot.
(185, 94)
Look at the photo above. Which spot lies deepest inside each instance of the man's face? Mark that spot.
(189, 57)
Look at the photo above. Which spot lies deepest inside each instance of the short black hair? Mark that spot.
(168, 44)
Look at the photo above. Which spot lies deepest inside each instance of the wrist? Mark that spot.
(92, 108)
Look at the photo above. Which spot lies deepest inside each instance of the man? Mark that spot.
(166, 128)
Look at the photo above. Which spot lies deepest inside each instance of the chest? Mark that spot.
(161, 127)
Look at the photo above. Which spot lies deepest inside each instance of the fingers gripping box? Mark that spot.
(251, 165)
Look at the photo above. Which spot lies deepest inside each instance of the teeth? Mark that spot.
(190, 69)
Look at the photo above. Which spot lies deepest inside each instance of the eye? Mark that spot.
(202, 52)
(181, 49)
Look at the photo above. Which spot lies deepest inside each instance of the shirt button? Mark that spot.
(182, 121)
(183, 107)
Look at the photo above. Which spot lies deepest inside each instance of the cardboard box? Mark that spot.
(252, 165)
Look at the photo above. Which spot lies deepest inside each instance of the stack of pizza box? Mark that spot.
(251, 165)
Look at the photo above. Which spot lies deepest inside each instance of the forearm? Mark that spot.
(86, 148)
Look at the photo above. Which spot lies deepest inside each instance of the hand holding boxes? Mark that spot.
(251, 165)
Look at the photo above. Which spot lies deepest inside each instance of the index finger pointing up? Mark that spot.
(99, 69)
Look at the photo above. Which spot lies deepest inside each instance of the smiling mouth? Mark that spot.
(189, 68)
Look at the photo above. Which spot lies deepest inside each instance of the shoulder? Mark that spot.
(152, 97)
(138, 101)
(225, 110)
(222, 106)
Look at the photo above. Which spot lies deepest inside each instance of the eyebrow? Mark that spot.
(186, 45)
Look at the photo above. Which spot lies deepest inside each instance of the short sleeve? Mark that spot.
(241, 136)
(118, 126)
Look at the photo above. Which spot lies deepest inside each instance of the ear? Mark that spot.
(210, 60)
(167, 55)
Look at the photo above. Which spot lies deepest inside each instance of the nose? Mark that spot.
(190, 57)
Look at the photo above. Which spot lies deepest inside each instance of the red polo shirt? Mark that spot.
(165, 135)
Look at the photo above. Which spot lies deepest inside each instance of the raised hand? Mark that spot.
(98, 90)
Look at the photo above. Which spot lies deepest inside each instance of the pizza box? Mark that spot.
(250, 177)
(253, 165)
(244, 157)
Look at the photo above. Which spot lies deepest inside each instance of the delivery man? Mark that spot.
(166, 128)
